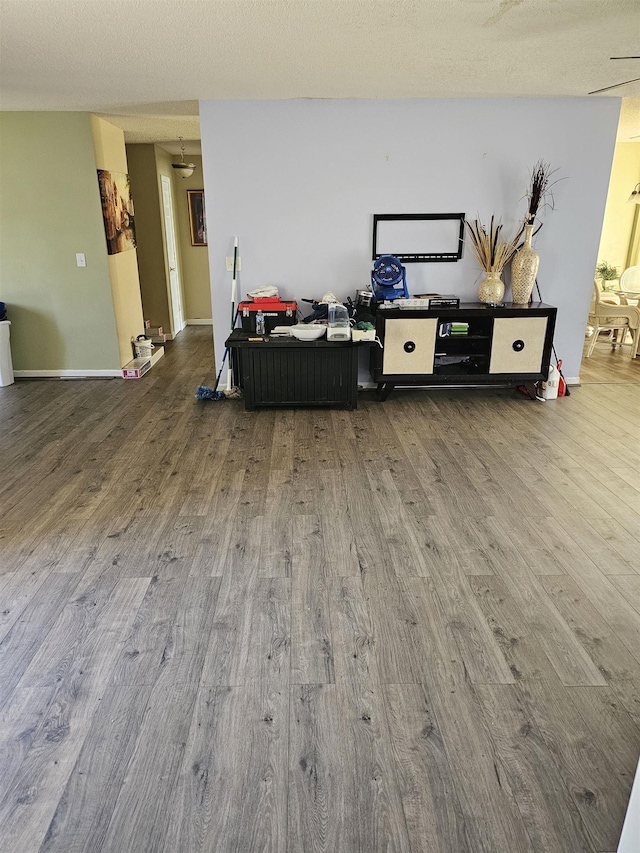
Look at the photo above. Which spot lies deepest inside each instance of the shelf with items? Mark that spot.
(473, 344)
(462, 365)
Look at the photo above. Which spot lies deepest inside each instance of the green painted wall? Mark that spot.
(62, 316)
(143, 172)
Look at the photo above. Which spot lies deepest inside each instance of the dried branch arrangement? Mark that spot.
(493, 252)
(539, 193)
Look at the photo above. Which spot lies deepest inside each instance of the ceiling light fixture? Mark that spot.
(185, 170)
(634, 198)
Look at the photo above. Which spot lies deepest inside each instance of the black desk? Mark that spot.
(289, 372)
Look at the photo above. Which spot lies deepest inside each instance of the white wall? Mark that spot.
(630, 837)
(619, 215)
(298, 182)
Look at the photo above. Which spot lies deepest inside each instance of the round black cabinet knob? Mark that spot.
(409, 346)
(518, 346)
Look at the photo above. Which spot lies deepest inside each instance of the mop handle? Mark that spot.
(227, 352)
(234, 312)
(234, 282)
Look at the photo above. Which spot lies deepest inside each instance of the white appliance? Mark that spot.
(338, 328)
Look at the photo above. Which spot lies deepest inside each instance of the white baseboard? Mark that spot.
(67, 374)
(572, 380)
(199, 322)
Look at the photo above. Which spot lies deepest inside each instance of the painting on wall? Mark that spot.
(197, 217)
(117, 211)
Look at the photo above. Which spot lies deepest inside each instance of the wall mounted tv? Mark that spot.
(418, 237)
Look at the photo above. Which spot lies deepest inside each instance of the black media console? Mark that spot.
(501, 345)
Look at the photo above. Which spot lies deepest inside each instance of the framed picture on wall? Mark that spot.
(197, 217)
(117, 211)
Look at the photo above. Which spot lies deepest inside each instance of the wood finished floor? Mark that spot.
(608, 365)
(410, 628)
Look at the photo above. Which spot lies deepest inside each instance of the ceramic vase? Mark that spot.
(491, 289)
(524, 269)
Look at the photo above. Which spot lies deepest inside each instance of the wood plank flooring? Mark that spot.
(412, 628)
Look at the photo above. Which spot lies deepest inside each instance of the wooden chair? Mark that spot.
(630, 281)
(613, 299)
(615, 318)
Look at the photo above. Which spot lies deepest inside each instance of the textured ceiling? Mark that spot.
(146, 63)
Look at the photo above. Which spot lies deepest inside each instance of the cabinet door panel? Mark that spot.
(518, 344)
(409, 345)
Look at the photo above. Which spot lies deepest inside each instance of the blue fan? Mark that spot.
(388, 279)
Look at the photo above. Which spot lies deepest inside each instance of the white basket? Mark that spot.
(363, 334)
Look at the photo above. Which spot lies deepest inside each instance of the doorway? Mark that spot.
(619, 250)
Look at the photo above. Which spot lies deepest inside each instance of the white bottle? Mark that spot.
(551, 385)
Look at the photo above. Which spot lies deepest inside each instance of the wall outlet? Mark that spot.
(230, 264)
(81, 259)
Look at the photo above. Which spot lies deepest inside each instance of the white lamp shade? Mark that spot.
(185, 170)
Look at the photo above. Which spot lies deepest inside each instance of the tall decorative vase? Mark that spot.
(491, 288)
(524, 269)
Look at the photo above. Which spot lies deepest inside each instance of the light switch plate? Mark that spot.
(230, 264)
(81, 259)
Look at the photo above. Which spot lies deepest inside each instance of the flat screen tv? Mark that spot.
(418, 237)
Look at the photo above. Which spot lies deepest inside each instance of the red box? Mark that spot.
(276, 312)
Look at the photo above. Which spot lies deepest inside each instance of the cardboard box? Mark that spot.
(136, 368)
(139, 366)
